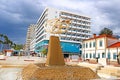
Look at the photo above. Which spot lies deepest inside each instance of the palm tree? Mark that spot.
(11, 43)
(1, 35)
(5, 42)
(1, 41)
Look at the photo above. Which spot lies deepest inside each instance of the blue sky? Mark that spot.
(17, 15)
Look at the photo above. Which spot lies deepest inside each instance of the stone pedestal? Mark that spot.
(54, 56)
(56, 68)
(41, 72)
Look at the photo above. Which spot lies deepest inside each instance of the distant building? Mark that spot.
(31, 38)
(79, 29)
(102, 46)
(8, 52)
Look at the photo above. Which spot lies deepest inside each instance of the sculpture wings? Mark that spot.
(57, 26)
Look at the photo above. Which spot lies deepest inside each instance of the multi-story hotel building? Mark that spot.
(79, 29)
(31, 39)
(102, 46)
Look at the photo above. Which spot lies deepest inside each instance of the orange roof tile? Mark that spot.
(8, 50)
(101, 36)
(117, 44)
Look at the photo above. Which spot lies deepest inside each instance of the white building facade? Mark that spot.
(102, 46)
(79, 29)
(31, 38)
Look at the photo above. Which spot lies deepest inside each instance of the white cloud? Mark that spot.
(104, 13)
(98, 10)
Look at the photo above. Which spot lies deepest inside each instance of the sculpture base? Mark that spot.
(42, 72)
(55, 56)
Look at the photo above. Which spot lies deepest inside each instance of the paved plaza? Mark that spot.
(11, 67)
(21, 60)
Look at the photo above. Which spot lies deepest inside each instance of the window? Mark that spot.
(86, 45)
(108, 55)
(83, 45)
(90, 55)
(83, 56)
(86, 55)
(98, 55)
(93, 44)
(100, 43)
(103, 55)
(90, 44)
(80, 46)
(94, 55)
(114, 56)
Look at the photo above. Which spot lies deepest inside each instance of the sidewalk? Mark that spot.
(115, 64)
(22, 60)
(106, 72)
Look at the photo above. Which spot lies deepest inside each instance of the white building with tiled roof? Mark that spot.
(102, 46)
